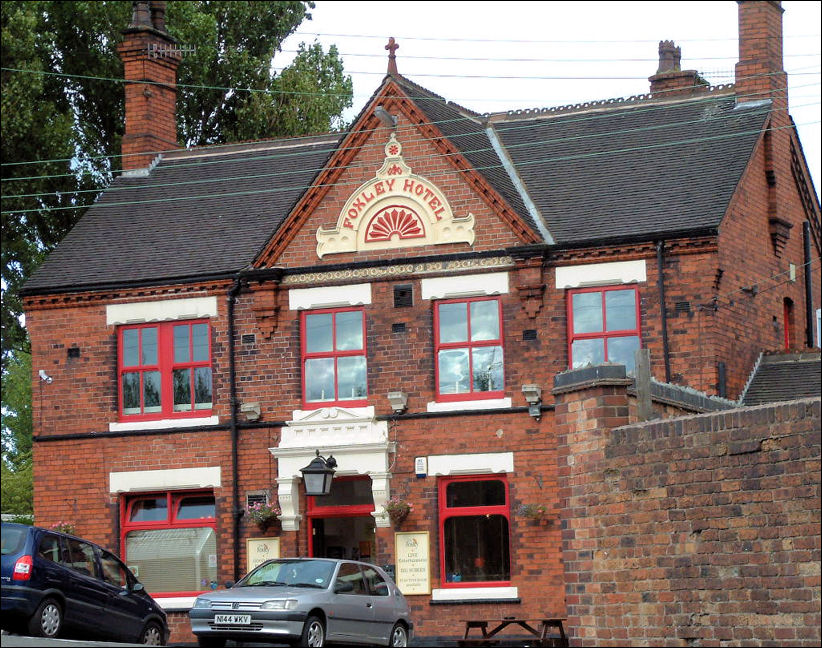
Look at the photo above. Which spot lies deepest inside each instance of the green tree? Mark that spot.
(16, 485)
(78, 113)
(63, 107)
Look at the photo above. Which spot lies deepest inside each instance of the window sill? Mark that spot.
(457, 406)
(164, 424)
(471, 594)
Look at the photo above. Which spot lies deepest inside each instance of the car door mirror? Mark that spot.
(137, 587)
(341, 588)
(229, 584)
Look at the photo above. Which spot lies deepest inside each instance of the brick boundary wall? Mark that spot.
(692, 531)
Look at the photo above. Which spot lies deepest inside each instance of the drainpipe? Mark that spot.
(236, 511)
(806, 232)
(660, 282)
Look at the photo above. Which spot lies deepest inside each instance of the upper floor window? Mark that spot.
(474, 543)
(169, 540)
(165, 370)
(334, 357)
(469, 349)
(603, 326)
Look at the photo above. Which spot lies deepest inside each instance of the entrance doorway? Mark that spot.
(340, 525)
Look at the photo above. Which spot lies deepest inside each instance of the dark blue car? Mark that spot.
(55, 584)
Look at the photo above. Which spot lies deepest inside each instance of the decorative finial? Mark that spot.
(392, 48)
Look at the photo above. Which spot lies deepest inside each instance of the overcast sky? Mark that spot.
(496, 56)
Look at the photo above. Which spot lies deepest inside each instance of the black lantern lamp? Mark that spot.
(318, 475)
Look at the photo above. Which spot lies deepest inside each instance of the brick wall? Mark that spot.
(694, 531)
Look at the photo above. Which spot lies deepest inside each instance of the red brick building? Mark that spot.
(402, 296)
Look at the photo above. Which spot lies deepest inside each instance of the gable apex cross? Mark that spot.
(392, 48)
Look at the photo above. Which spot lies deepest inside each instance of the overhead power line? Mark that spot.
(302, 188)
(616, 102)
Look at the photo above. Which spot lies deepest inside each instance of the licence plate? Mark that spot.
(232, 619)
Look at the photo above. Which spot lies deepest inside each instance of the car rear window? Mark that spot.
(13, 539)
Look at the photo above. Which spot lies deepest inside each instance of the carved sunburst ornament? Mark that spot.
(396, 209)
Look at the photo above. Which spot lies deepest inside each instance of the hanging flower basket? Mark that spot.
(263, 515)
(397, 509)
(533, 511)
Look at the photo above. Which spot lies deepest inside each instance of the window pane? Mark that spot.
(151, 391)
(199, 335)
(196, 508)
(622, 350)
(487, 492)
(376, 583)
(587, 312)
(453, 371)
(487, 367)
(131, 347)
(620, 310)
(202, 388)
(587, 352)
(351, 378)
(350, 573)
(484, 320)
(319, 379)
(318, 333)
(182, 390)
(453, 323)
(113, 572)
(49, 548)
(81, 557)
(131, 393)
(349, 331)
(476, 549)
(182, 352)
(347, 492)
(173, 560)
(149, 345)
(150, 510)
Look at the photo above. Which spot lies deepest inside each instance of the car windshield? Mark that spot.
(13, 538)
(290, 573)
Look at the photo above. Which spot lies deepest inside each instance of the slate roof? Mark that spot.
(203, 213)
(606, 172)
(633, 171)
(783, 377)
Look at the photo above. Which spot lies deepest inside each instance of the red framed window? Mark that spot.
(474, 523)
(165, 370)
(334, 357)
(169, 540)
(468, 340)
(333, 519)
(603, 326)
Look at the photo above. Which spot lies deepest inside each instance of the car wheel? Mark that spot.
(152, 634)
(211, 642)
(313, 633)
(399, 635)
(47, 621)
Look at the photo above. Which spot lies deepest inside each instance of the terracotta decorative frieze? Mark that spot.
(400, 270)
(396, 209)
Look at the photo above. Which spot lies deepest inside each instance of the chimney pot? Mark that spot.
(158, 16)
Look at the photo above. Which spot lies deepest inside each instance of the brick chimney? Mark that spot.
(759, 73)
(150, 71)
(669, 79)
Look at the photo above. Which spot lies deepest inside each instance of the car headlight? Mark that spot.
(279, 604)
(202, 603)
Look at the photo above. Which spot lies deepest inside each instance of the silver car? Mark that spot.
(305, 602)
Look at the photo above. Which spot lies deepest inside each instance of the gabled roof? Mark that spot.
(200, 213)
(783, 377)
(650, 168)
(597, 173)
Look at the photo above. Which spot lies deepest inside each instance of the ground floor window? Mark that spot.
(169, 540)
(473, 518)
